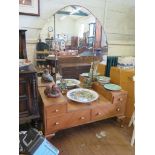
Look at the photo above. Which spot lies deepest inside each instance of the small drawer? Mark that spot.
(102, 111)
(56, 123)
(119, 110)
(120, 99)
(55, 110)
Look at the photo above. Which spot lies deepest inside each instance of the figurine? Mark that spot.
(52, 90)
(46, 77)
(63, 86)
(87, 83)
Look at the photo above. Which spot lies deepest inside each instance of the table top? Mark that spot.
(71, 105)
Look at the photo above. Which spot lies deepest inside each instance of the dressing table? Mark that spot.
(62, 113)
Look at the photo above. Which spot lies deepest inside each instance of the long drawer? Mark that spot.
(106, 111)
(67, 120)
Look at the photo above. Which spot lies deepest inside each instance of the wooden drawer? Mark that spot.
(102, 111)
(80, 117)
(55, 110)
(119, 110)
(67, 120)
(121, 99)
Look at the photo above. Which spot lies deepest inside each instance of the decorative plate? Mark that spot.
(111, 86)
(82, 95)
(103, 79)
(70, 82)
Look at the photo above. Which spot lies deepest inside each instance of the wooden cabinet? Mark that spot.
(28, 96)
(95, 34)
(22, 44)
(61, 113)
(98, 34)
(74, 42)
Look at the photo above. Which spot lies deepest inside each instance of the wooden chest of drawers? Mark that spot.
(61, 113)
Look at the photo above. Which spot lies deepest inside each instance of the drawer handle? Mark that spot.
(56, 110)
(118, 109)
(57, 123)
(120, 99)
(99, 113)
(82, 118)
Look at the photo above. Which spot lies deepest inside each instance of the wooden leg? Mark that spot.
(120, 120)
(48, 137)
(132, 119)
(133, 137)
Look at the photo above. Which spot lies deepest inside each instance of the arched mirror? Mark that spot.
(75, 32)
(75, 28)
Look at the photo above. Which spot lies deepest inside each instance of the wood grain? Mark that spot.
(82, 140)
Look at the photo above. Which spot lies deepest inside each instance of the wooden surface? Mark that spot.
(83, 140)
(61, 113)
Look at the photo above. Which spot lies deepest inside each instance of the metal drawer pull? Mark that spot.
(120, 99)
(99, 113)
(57, 123)
(82, 117)
(118, 109)
(56, 110)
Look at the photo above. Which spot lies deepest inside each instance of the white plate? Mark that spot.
(111, 86)
(89, 74)
(82, 95)
(70, 82)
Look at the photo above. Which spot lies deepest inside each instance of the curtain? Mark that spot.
(111, 61)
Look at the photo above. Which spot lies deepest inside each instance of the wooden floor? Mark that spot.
(104, 137)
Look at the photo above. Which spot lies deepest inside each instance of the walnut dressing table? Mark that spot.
(61, 113)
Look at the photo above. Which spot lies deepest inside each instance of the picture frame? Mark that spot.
(29, 7)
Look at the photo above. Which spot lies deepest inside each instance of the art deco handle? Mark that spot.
(56, 110)
(82, 117)
(120, 99)
(118, 109)
(57, 123)
(99, 113)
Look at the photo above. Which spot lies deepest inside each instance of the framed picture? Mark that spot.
(29, 7)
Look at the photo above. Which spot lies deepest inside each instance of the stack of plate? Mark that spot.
(103, 79)
(70, 83)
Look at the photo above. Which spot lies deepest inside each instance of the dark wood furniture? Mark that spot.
(61, 113)
(74, 42)
(22, 44)
(72, 67)
(28, 95)
(98, 34)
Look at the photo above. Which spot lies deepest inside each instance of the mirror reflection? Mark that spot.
(75, 29)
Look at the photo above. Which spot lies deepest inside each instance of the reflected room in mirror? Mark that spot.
(77, 30)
